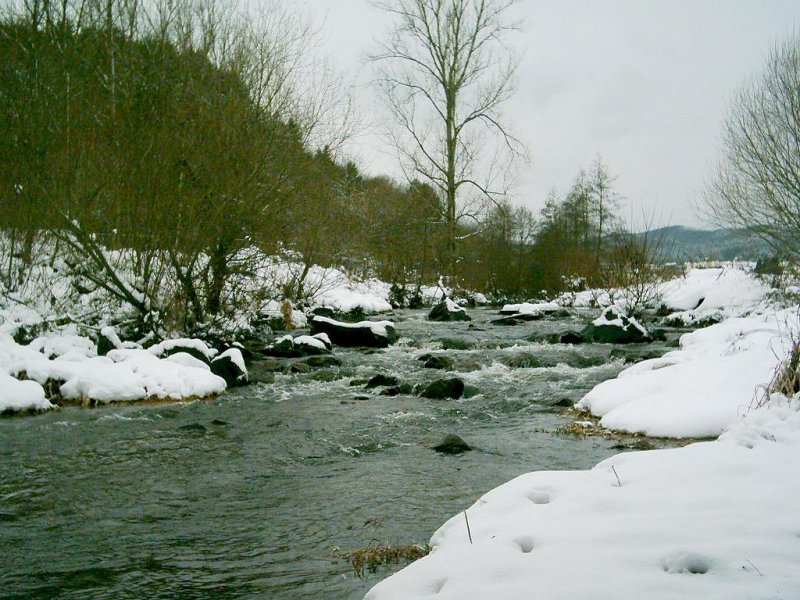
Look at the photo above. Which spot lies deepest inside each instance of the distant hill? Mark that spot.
(679, 244)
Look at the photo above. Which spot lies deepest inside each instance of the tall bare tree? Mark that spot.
(757, 181)
(445, 71)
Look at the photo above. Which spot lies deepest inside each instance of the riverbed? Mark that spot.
(249, 495)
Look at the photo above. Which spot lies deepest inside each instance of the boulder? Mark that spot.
(437, 361)
(613, 327)
(571, 337)
(298, 367)
(452, 444)
(515, 319)
(447, 310)
(382, 381)
(373, 334)
(230, 366)
(444, 388)
(323, 361)
(396, 390)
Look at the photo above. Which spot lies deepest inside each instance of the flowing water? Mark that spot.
(247, 495)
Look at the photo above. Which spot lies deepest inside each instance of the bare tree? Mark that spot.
(757, 180)
(445, 73)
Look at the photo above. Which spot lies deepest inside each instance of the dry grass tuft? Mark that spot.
(786, 377)
(368, 559)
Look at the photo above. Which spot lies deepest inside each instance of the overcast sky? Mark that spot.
(644, 83)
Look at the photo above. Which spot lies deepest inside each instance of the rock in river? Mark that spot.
(447, 310)
(437, 361)
(444, 388)
(230, 366)
(612, 327)
(375, 334)
(452, 444)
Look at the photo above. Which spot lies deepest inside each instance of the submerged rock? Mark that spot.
(323, 361)
(437, 361)
(397, 390)
(381, 380)
(571, 337)
(447, 310)
(444, 388)
(452, 444)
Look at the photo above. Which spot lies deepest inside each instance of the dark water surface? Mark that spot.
(245, 496)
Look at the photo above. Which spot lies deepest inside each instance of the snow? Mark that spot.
(72, 347)
(713, 520)
(348, 300)
(111, 335)
(699, 390)
(307, 340)
(453, 306)
(530, 308)
(729, 288)
(187, 360)
(604, 319)
(195, 344)
(123, 375)
(18, 395)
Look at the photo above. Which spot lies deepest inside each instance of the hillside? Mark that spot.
(677, 243)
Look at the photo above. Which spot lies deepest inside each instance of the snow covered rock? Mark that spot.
(375, 334)
(447, 310)
(535, 309)
(302, 345)
(613, 327)
(230, 366)
(21, 396)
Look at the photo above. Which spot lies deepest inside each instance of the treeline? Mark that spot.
(164, 144)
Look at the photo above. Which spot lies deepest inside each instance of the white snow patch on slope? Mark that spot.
(702, 388)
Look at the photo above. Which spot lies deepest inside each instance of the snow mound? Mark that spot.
(728, 289)
(18, 395)
(702, 388)
(531, 308)
(711, 520)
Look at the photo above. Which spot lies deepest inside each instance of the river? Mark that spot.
(247, 495)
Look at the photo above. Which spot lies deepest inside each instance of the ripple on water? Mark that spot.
(161, 502)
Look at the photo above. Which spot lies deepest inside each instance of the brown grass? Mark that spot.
(369, 559)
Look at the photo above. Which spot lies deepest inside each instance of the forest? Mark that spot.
(166, 148)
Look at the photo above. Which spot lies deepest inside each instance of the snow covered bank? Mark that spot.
(702, 388)
(69, 365)
(713, 520)
(21, 396)
(720, 292)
